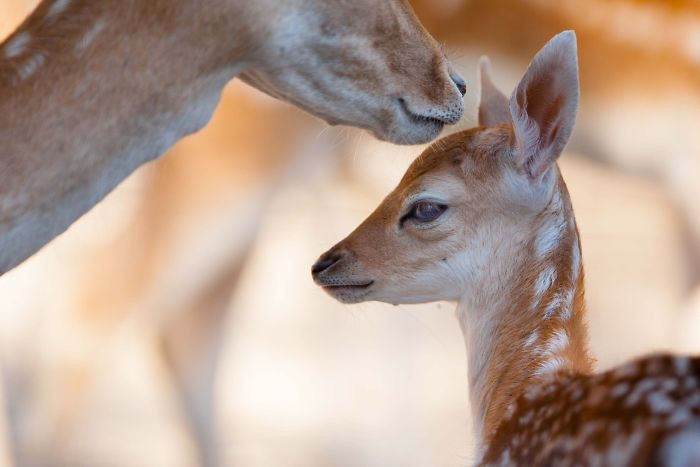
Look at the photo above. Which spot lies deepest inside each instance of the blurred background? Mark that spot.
(177, 324)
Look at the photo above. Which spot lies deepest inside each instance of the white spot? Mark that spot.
(591, 428)
(57, 8)
(557, 204)
(527, 418)
(516, 441)
(576, 261)
(646, 385)
(638, 390)
(577, 393)
(532, 338)
(533, 392)
(553, 306)
(619, 389)
(689, 382)
(30, 66)
(549, 236)
(693, 400)
(680, 417)
(558, 342)
(544, 282)
(669, 384)
(550, 366)
(90, 36)
(568, 304)
(510, 410)
(17, 45)
(682, 365)
(659, 402)
(505, 458)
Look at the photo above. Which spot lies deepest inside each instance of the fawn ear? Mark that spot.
(493, 107)
(543, 106)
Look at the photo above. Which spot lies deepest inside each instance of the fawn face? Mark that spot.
(365, 63)
(464, 211)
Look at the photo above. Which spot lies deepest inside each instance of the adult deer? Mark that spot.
(89, 91)
(484, 217)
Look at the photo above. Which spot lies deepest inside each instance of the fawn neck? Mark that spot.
(532, 327)
(135, 68)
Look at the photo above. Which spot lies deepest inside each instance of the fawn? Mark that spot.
(483, 217)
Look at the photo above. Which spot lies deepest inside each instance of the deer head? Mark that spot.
(365, 63)
(459, 223)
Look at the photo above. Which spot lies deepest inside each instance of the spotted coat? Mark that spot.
(640, 413)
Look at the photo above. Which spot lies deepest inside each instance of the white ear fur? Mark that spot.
(493, 107)
(543, 106)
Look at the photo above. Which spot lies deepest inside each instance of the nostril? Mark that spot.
(462, 86)
(324, 263)
(459, 82)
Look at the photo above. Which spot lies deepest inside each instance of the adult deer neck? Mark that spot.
(533, 328)
(89, 91)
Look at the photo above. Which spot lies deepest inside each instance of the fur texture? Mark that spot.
(90, 91)
(506, 246)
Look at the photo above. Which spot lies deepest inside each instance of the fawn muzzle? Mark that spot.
(338, 273)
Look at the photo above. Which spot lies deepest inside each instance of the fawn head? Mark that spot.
(467, 207)
(364, 63)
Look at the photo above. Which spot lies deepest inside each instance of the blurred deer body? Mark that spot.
(89, 91)
(484, 217)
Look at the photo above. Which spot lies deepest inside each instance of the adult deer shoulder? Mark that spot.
(484, 217)
(91, 90)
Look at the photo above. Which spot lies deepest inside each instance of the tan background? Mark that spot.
(176, 324)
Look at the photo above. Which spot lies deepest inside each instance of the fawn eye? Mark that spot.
(426, 211)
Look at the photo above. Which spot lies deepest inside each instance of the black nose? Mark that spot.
(459, 82)
(324, 262)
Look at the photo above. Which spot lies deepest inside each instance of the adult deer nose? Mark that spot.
(459, 82)
(325, 261)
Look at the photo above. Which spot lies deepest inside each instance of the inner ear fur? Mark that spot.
(543, 107)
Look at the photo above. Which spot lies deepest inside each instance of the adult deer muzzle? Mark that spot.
(365, 63)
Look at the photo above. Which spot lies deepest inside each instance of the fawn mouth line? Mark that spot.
(362, 286)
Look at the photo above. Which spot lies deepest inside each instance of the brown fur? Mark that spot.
(76, 120)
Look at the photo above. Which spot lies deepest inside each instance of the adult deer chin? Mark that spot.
(484, 217)
(89, 91)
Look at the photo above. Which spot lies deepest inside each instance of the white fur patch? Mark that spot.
(532, 338)
(90, 36)
(568, 304)
(680, 416)
(689, 383)
(17, 45)
(558, 342)
(638, 391)
(30, 66)
(57, 8)
(682, 365)
(576, 261)
(620, 389)
(550, 366)
(544, 282)
(553, 306)
(549, 236)
(659, 403)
